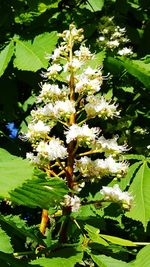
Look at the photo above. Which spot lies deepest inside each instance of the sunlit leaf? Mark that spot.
(143, 257)
(104, 261)
(33, 56)
(140, 189)
(5, 57)
(5, 245)
(66, 257)
(118, 240)
(14, 171)
(42, 193)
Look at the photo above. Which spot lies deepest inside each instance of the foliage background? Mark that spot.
(28, 31)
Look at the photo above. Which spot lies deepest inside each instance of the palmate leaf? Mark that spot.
(66, 257)
(140, 189)
(5, 57)
(5, 245)
(38, 192)
(104, 261)
(14, 171)
(138, 69)
(32, 56)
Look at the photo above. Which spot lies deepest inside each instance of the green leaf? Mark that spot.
(118, 240)
(95, 5)
(142, 258)
(134, 156)
(66, 257)
(140, 189)
(17, 227)
(32, 56)
(5, 245)
(5, 57)
(14, 171)
(138, 69)
(131, 171)
(46, 41)
(94, 235)
(7, 260)
(97, 61)
(44, 193)
(114, 65)
(104, 261)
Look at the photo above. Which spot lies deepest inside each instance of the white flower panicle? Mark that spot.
(70, 97)
(114, 38)
(99, 106)
(114, 194)
(83, 134)
(73, 202)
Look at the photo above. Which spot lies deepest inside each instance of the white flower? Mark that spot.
(64, 108)
(72, 33)
(125, 52)
(111, 166)
(57, 52)
(78, 186)
(88, 82)
(100, 167)
(115, 194)
(86, 167)
(99, 106)
(57, 110)
(37, 130)
(72, 202)
(75, 64)
(108, 145)
(101, 38)
(83, 53)
(113, 43)
(53, 70)
(36, 160)
(83, 134)
(52, 150)
(49, 92)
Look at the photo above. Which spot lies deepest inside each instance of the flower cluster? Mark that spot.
(114, 194)
(99, 106)
(113, 37)
(96, 169)
(61, 110)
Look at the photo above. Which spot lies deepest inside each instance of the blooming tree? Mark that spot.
(70, 98)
